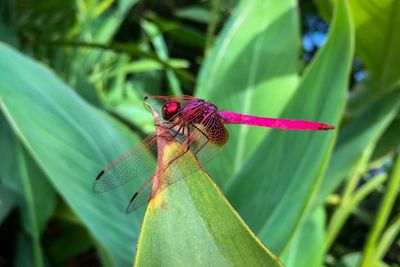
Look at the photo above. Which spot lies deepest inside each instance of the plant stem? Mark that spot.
(389, 198)
(212, 25)
(343, 212)
(124, 48)
(162, 52)
(345, 207)
(388, 237)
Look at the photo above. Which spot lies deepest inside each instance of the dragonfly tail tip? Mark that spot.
(326, 127)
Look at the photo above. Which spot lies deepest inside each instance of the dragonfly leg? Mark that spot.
(172, 125)
(178, 131)
(188, 130)
(205, 143)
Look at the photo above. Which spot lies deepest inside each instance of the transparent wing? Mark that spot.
(193, 141)
(141, 197)
(139, 162)
(172, 165)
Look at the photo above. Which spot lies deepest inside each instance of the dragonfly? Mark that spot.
(198, 126)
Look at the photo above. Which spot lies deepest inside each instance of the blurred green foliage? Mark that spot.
(72, 78)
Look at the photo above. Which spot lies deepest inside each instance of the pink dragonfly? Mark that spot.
(198, 126)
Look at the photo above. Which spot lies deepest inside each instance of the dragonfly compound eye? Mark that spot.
(170, 109)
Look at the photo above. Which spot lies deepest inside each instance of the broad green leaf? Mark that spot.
(307, 249)
(376, 25)
(28, 251)
(251, 69)
(190, 222)
(278, 183)
(371, 115)
(373, 20)
(8, 201)
(377, 40)
(389, 140)
(360, 133)
(70, 141)
(35, 197)
(8, 196)
(362, 95)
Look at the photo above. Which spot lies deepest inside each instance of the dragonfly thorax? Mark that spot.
(197, 111)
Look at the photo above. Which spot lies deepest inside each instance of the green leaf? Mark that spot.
(251, 69)
(191, 222)
(351, 260)
(93, 27)
(71, 241)
(143, 65)
(388, 141)
(35, 197)
(279, 182)
(195, 13)
(374, 20)
(349, 203)
(360, 133)
(125, 48)
(8, 201)
(162, 51)
(386, 207)
(388, 238)
(71, 141)
(28, 251)
(324, 8)
(372, 113)
(378, 20)
(307, 249)
(182, 33)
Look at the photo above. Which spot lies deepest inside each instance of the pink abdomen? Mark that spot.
(237, 118)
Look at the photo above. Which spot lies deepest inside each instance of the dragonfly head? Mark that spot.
(170, 109)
